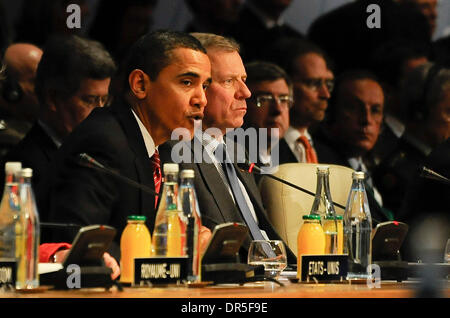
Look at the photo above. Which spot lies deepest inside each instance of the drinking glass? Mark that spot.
(271, 254)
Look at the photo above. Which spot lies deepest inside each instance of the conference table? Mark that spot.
(386, 289)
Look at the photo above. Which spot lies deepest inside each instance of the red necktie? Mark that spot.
(157, 177)
(311, 156)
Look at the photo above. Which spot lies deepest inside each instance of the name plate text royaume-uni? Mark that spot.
(8, 268)
(160, 270)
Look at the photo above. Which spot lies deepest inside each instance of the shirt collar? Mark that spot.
(357, 164)
(210, 143)
(292, 135)
(148, 140)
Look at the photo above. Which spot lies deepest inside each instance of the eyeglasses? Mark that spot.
(94, 101)
(265, 100)
(316, 83)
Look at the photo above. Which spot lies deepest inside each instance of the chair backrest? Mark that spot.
(286, 205)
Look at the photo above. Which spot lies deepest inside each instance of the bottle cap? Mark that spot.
(358, 175)
(27, 172)
(170, 168)
(12, 167)
(323, 168)
(187, 173)
(330, 217)
(311, 217)
(137, 218)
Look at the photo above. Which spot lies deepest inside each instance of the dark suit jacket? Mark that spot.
(287, 156)
(428, 200)
(285, 153)
(85, 196)
(216, 204)
(36, 151)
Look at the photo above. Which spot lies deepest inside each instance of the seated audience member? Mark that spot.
(261, 23)
(351, 130)
(18, 102)
(313, 82)
(268, 109)
(168, 74)
(428, 199)
(426, 98)
(72, 79)
(225, 193)
(213, 16)
(391, 63)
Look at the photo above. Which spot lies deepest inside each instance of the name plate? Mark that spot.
(8, 268)
(324, 267)
(160, 270)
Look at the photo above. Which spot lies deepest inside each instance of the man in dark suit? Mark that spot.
(72, 79)
(351, 130)
(225, 193)
(167, 76)
(428, 199)
(268, 111)
(313, 81)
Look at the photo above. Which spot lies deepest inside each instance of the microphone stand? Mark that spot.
(89, 162)
(252, 167)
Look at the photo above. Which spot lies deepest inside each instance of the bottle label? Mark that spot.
(8, 268)
(160, 270)
(324, 268)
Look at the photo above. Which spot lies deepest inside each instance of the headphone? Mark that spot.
(11, 90)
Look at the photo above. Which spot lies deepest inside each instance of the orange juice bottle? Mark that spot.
(174, 234)
(334, 230)
(135, 242)
(310, 239)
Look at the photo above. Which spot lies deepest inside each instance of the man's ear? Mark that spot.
(139, 83)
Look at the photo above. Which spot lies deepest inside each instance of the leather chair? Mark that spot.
(286, 205)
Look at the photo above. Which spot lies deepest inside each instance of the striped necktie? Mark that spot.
(157, 176)
(221, 154)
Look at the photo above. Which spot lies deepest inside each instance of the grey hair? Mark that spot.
(214, 41)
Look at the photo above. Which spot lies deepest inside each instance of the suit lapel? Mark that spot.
(216, 186)
(142, 161)
(285, 153)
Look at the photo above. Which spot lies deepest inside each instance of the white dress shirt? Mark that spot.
(148, 140)
(210, 144)
(297, 148)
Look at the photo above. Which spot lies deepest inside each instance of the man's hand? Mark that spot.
(204, 237)
(109, 262)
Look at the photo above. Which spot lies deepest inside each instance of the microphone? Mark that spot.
(251, 167)
(430, 174)
(59, 225)
(87, 161)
